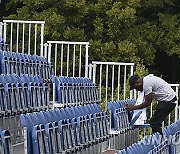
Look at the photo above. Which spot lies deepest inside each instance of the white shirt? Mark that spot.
(159, 88)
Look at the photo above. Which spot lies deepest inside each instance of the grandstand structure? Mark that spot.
(51, 94)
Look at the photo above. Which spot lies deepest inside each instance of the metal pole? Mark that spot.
(80, 52)
(112, 82)
(131, 92)
(55, 61)
(45, 50)
(87, 61)
(106, 87)
(42, 38)
(35, 39)
(11, 37)
(74, 56)
(23, 38)
(29, 42)
(49, 53)
(1, 29)
(125, 82)
(94, 73)
(90, 71)
(68, 61)
(119, 73)
(100, 82)
(17, 36)
(62, 58)
(5, 29)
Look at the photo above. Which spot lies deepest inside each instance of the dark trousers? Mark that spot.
(162, 111)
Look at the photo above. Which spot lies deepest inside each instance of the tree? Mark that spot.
(130, 31)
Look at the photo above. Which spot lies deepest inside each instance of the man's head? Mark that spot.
(136, 82)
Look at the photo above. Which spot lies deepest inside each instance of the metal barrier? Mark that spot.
(118, 78)
(61, 53)
(21, 32)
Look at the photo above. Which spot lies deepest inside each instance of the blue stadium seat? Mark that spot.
(5, 142)
(39, 140)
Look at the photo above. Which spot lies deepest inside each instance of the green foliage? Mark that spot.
(125, 31)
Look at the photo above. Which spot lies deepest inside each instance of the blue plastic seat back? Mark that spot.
(6, 142)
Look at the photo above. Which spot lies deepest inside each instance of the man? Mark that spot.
(154, 87)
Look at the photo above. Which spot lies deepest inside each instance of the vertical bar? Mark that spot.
(11, 37)
(55, 60)
(29, 42)
(25, 140)
(151, 109)
(124, 82)
(119, 73)
(54, 94)
(61, 58)
(106, 86)
(68, 60)
(80, 52)
(135, 93)
(177, 101)
(23, 38)
(163, 124)
(17, 41)
(94, 73)
(176, 108)
(45, 50)
(100, 82)
(86, 61)
(169, 119)
(112, 82)
(90, 71)
(35, 39)
(49, 53)
(42, 38)
(131, 91)
(74, 56)
(1, 29)
(5, 29)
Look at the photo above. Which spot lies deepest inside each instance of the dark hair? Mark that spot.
(132, 80)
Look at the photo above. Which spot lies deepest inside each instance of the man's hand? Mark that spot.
(129, 107)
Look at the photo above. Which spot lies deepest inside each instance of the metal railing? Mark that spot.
(113, 77)
(25, 32)
(69, 58)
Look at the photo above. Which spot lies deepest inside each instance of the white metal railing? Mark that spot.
(25, 32)
(71, 57)
(112, 76)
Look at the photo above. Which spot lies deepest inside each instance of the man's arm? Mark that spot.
(146, 103)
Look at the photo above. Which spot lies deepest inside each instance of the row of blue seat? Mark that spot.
(156, 143)
(82, 129)
(5, 142)
(171, 144)
(171, 129)
(162, 148)
(143, 146)
(175, 147)
(22, 94)
(117, 111)
(75, 90)
(18, 63)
